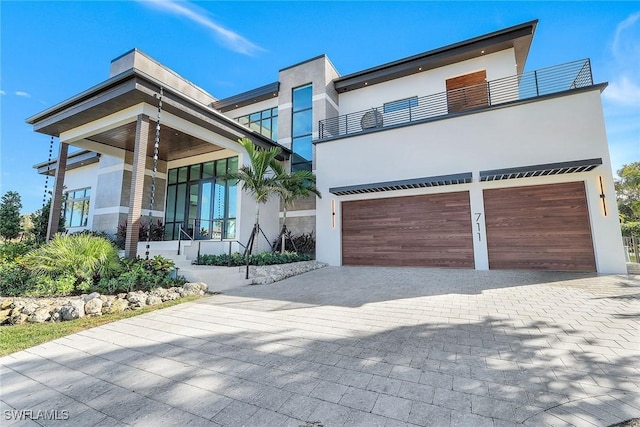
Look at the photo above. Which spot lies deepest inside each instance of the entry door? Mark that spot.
(200, 209)
(467, 92)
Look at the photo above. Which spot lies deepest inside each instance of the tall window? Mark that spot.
(265, 122)
(76, 207)
(301, 128)
(201, 201)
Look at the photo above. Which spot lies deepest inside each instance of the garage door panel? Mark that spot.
(542, 227)
(429, 230)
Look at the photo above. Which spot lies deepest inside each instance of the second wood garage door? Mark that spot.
(430, 231)
(542, 227)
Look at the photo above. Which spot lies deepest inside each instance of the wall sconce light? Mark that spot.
(333, 214)
(602, 196)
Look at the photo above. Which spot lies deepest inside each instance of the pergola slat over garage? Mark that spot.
(542, 227)
(428, 231)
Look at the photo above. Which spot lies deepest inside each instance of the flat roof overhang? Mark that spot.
(262, 93)
(518, 37)
(541, 170)
(74, 161)
(132, 88)
(405, 184)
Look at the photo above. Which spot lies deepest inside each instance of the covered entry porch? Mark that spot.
(163, 151)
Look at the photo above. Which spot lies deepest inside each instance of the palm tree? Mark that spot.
(261, 178)
(297, 184)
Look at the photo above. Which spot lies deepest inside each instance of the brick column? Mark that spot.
(56, 200)
(137, 186)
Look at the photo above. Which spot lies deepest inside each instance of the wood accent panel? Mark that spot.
(542, 227)
(467, 91)
(427, 231)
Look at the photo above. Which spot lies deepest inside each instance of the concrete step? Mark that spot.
(633, 268)
(217, 278)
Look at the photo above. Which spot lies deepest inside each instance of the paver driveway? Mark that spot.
(353, 346)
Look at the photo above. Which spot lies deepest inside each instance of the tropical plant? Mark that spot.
(156, 229)
(304, 243)
(297, 185)
(10, 206)
(40, 221)
(262, 178)
(87, 258)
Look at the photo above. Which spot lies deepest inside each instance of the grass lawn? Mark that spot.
(19, 337)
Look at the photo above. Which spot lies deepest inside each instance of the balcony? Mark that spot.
(546, 81)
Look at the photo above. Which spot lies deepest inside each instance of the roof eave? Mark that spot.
(518, 37)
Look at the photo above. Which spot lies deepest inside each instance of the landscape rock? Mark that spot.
(117, 306)
(137, 300)
(93, 307)
(91, 296)
(266, 274)
(4, 315)
(73, 310)
(6, 303)
(17, 318)
(41, 315)
(153, 300)
(196, 286)
(170, 296)
(30, 308)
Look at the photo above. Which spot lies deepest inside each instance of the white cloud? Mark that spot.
(624, 86)
(2, 92)
(624, 92)
(230, 39)
(22, 94)
(624, 42)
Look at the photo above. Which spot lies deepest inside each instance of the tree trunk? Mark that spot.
(284, 228)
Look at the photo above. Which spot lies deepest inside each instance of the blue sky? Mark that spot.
(50, 51)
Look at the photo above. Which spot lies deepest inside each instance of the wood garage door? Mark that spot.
(543, 227)
(428, 231)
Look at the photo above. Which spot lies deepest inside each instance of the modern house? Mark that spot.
(455, 157)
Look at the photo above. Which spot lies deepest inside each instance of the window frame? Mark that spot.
(69, 210)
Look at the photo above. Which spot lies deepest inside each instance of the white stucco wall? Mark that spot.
(498, 65)
(554, 130)
(82, 177)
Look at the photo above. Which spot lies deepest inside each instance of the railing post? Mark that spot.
(535, 75)
(346, 124)
(321, 129)
(179, 237)
(590, 72)
(489, 93)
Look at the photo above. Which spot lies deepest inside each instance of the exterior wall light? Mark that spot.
(602, 197)
(333, 214)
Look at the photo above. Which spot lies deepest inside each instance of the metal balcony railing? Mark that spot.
(545, 81)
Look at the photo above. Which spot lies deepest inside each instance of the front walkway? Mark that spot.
(353, 346)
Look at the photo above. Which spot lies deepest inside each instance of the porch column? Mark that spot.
(137, 186)
(56, 200)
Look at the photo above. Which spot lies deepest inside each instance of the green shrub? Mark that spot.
(305, 243)
(10, 251)
(263, 258)
(85, 257)
(146, 275)
(630, 229)
(40, 286)
(14, 279)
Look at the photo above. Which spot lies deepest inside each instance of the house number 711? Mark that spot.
(478, 216)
